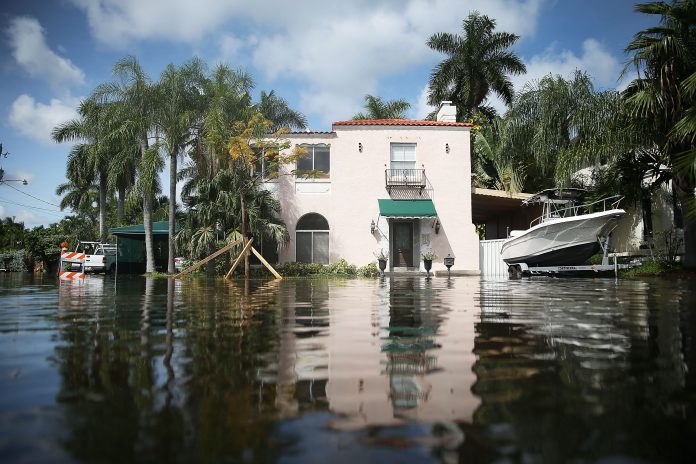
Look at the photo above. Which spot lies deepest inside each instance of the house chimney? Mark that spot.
(447, 112)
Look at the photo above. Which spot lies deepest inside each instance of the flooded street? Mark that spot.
(322, 370)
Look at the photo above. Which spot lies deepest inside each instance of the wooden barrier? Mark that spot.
(205, 260)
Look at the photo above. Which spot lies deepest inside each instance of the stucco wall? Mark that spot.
(357, 182)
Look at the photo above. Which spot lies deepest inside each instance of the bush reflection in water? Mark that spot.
(400, 370)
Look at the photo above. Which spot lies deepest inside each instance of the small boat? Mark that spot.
(567, 233)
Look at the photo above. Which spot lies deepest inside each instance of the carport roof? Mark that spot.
(488, 204)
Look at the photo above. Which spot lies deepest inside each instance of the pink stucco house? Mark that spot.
(399, 186)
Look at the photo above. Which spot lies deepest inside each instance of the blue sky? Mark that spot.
(321, 56)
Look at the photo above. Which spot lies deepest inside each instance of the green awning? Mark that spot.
(158, 228)
(407, 208)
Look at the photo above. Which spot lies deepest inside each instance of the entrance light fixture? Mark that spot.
(372, 227)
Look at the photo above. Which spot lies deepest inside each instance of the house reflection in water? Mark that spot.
(376, 355)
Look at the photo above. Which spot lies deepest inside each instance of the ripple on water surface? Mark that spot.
(313, 370)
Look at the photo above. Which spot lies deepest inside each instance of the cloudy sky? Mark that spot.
(321, 56)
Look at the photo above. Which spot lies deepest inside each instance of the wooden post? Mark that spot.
(239, 258)
(265, 263)
(203, 261)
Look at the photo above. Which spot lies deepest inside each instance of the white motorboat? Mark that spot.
(567, 233)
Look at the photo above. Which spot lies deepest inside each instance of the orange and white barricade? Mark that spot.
(69, 260)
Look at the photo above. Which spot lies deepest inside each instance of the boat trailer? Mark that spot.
(519, 270)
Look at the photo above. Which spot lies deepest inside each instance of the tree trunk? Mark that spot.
(102, 206)
(120, 202)
(244, 236)
(147, 221)
(172, 211)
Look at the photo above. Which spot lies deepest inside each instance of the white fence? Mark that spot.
(490, 262)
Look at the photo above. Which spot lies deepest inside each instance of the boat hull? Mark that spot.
(561, 242)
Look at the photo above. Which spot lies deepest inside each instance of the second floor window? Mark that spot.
(403, 156)
(266, 163)
(315, 163)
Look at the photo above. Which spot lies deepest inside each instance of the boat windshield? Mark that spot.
(565, 204)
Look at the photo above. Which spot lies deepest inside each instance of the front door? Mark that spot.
(402, 249)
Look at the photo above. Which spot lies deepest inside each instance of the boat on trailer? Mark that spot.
(567, 233)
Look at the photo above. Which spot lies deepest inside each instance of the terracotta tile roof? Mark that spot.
(399, 122)
(309, 132)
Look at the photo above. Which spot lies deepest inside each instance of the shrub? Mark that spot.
(648, 268)
(369, 270)
(14, 261)
(340, 267)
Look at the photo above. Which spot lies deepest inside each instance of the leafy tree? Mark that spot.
(376, 108)
(661, 100)
(11, 234)
(232, 202)
(478, 63)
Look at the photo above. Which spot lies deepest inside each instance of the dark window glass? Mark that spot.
(304, 247)
(312, 221)
(316, 158)
(321, 159)
(320, 247)
(305, 163)
(646, 206)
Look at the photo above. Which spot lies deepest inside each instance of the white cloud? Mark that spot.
(343, 56)
(595, 59)
(603, 67)
(36, 120)
(118, 22)
(32, 53)
(229, 47)
(337, 52)
(422, 109)
(2, 211)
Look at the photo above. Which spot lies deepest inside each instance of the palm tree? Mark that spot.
(478, 62)
(563, 125)
(78, 195)
(89, 160)
(132, 99)
(276, 110)
(179, 105)
(376, 108)
(494, 164)
(227, 101)
(662, 100)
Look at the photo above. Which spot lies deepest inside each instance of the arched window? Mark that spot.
(312, 239)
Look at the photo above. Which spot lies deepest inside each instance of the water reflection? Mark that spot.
(587, 371)
(399, 370)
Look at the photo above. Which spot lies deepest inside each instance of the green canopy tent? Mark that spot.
(131, 246)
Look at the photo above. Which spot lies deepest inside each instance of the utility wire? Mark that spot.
(4, 200)
(30, 195)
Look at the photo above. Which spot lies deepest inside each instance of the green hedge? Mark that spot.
(340, 268)
(15, 261)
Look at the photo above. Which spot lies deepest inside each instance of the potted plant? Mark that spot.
(428, 260)
(382, 260)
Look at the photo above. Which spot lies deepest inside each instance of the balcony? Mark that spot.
(407, 183)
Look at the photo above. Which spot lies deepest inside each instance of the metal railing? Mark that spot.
(550, 212)
(411, 178)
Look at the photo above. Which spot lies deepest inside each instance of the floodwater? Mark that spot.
(301, 371)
